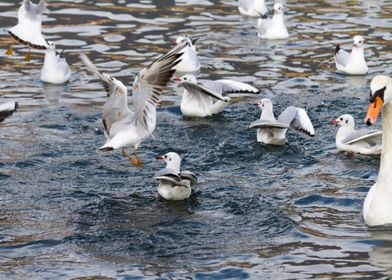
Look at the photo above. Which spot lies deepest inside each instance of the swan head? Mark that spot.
(345, 120)
(187, 79)
(278, 8)
(358, 41)
(172, 160)
(380, 94)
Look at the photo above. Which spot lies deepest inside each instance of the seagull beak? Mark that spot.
(274, 11)
(178, 79)
(334, 122)
(374, 110)
(173, 43)
(160, 157)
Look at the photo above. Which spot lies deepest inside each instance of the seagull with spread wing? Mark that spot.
(273, 131)
(28, 29)
(125, 127)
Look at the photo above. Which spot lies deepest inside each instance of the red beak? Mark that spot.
(334, 122)
(178, 79)
(173, 43)
(160, 157)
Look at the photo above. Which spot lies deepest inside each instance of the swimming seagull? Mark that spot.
(189, 61)
(55, 69)
(6, 109)
(351, 63)
(273, 28)
(124, 127)
(198, 98)
(363, 141)
(272, 131)
(173, 183)
(252, 8)
(28, 29)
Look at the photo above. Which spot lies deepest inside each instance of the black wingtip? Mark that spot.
(106, 149)
(337, 48)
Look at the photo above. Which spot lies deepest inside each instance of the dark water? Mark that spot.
(259, 212)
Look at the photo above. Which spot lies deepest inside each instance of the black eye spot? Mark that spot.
(346, 121)
(341, 119)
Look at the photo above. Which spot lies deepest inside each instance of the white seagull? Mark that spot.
(363, 141)
(351, 63)
(6, 109)
(272, 131)
(189, 62)
(206, 98)
(28, 29)
(252, 8)
(125, 128)
(173, 183)
(273, 28)
(55, 69)
(377, 208)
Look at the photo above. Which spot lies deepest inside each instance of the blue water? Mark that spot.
(258, 212)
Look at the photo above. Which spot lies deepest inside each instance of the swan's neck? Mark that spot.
(384, 178)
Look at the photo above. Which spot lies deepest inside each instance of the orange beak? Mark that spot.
(160, 157)
(374, 111)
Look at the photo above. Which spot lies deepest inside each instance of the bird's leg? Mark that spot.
(9, 51)
(138, 161)
(134, 162)
(28, 56)
(350, 154)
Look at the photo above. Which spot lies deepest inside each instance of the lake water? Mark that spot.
(259, 212)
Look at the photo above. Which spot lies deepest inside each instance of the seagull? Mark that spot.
(173, 183)
(124, 127)
(272, 131)
(189, 62)
(363, 141)
(198, 99)
(252, 8)
(55, 69)
(351, 63)
(7, 109)
(273, 28)
(28, 29)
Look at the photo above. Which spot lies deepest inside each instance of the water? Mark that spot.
(258, 212)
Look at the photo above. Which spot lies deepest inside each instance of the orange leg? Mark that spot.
(28, 56)
(136, 162)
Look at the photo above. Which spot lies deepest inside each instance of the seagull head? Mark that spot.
(186, 78)
(264, 103)
(344, 120)
(380, 94)
(117, 83)
(51, 45)
(172, 160)
(278, 8)
(358, 41)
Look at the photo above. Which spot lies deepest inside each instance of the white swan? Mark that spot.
(363, 141)
(173, 183)
(55, 69)
(353, 63)
(273, 28)
(377, 208)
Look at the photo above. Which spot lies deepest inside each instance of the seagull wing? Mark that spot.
(268, 124)
(228, 86)
(151, 81)
(372, 137)
(200, 89)
(168, 174)
(341, 56)
(6, 109)
(298, 119)
(116, 107)
(188, 175)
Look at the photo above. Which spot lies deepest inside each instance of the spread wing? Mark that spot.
(116, 107)
(168, 174)
(228, 86)
(200, 89)
(188, 175)
(268, 124)
(370, 136)
(6, 109)
(298, 119)
(341, 56)
(151, 81)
